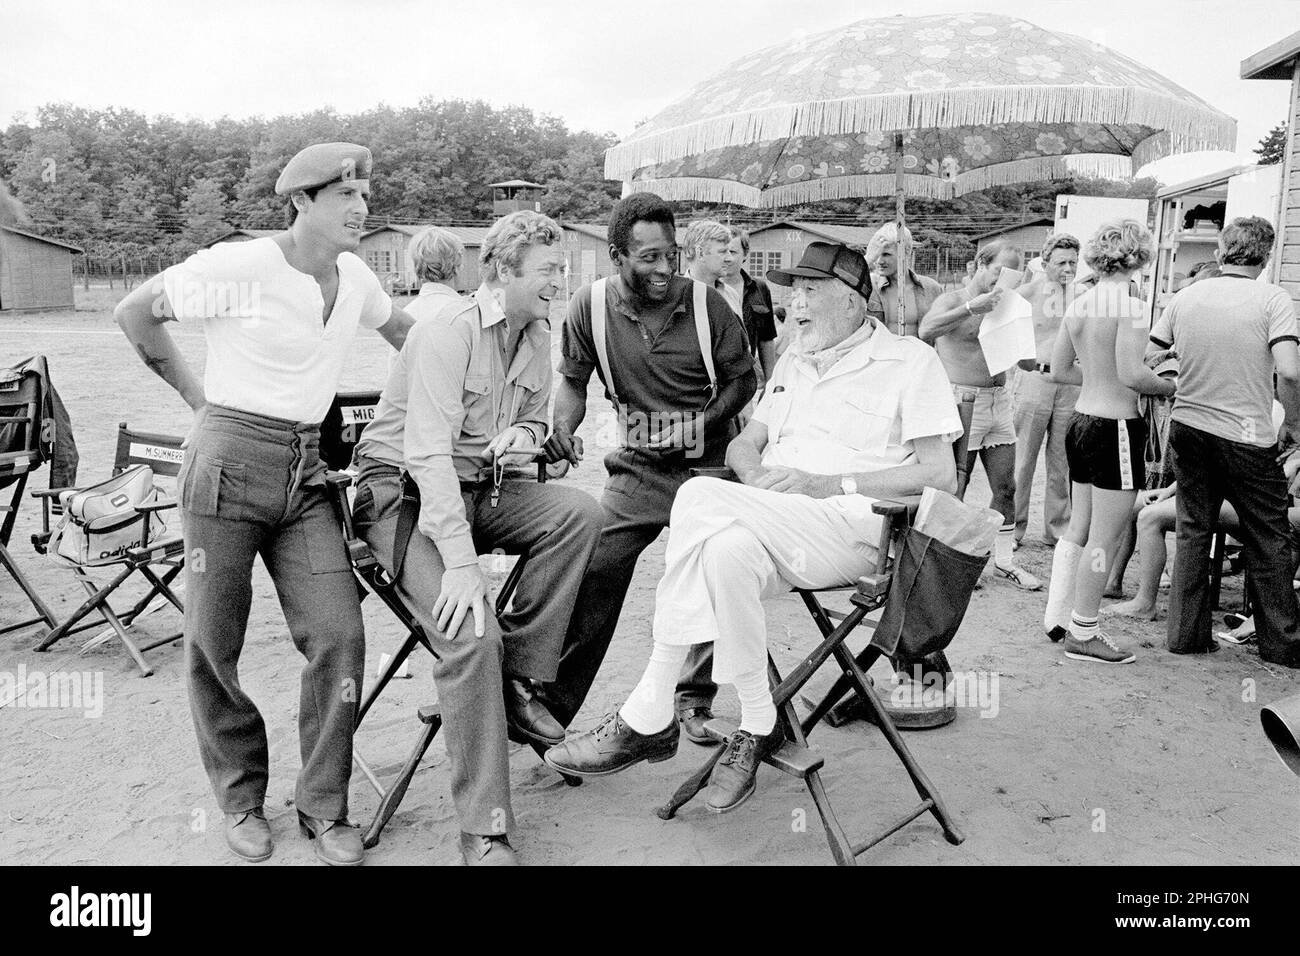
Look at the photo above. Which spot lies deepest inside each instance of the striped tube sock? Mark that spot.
(1083, 628)
(1003, 545)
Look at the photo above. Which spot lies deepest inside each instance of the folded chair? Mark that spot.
(340, 432)
(20, 454)
(890, 578)
(159, 561)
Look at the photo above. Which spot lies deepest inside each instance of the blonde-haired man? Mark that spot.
(437, 255)
(899, 303)
(471, 386)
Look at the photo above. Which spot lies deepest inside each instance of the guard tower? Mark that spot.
(515, 194)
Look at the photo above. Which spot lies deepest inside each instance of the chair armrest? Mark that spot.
(902, 505)
(338, 479)
(716, 471)
(51, 493)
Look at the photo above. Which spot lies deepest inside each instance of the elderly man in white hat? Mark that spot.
(853, 413)
(901, 297)
(280, 315)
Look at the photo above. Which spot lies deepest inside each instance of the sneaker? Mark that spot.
(1018, 576)
(1241, 630)
(1100, 648)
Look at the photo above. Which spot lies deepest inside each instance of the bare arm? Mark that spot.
(570, 410)
(1286, 361)
(394, 330)
(934, 468)
(142, 316)
(1130, 345)
(767, 358)
(1064, 371)
(950, 312)
(745, 453)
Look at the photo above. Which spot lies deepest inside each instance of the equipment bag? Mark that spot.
(101, 523)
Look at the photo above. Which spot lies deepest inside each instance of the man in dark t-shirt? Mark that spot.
(672, 419)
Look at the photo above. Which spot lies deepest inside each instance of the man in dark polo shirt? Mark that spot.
(672, 419)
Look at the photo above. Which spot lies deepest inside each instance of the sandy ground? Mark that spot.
(1161, 761)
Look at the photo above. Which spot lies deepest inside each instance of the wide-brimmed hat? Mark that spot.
(828, 260)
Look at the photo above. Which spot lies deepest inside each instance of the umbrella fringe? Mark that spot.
(698, 189)
(1190, 126)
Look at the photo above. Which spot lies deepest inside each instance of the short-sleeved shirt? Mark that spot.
(270, 352)
(1223, 330)
(755, 311)
(656, 375)
(863, 414)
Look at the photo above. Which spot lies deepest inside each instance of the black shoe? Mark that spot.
(527, 719)
(249, 835)
(612, 746)
(477, 849)
(693, 720)
(337, 842)
(733, 779)
(1280, 652)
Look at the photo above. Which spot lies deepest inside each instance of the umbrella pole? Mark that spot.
(901, 276)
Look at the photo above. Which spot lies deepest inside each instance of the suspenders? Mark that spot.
(702, 334)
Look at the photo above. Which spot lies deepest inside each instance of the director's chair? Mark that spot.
(871, 593)
(340, 432)
(20, 454)
(159, 561)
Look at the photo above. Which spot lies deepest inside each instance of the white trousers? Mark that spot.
(730, 546)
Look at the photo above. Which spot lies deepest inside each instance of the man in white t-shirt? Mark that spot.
(853, 413)
(279, 315)
(1232, 335)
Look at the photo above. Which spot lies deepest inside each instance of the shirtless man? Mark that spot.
(952, 326)
(1042, 408)
(1105, 329)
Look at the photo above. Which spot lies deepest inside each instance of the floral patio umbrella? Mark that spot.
(931, 106)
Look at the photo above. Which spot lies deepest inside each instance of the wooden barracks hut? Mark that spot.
(35, 271)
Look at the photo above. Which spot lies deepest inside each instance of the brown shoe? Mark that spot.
(527, 719)
(733, 779)
(476, 849)
(338, 842)
(249, 835)
(612, 746)
(693, 720)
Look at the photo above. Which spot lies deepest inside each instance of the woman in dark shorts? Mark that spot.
(1105, 328)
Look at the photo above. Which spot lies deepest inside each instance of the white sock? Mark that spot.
(1060, 591)
(1083, 628)
(757, 711)
(1002, 545)
(649, 708)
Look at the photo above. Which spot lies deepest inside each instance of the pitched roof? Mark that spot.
(1041, 221)
(32, 235)
(517, 182)
(845, 235)
(468, 235)
(250, 233)
(587, 229)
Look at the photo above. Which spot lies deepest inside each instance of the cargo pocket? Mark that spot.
(866, 422)
(478, 405)
(322, 538)
(213, 488)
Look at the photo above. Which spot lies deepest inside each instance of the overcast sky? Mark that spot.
(599, 64)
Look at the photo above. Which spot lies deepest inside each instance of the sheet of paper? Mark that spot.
(1007, 333)
(1008, 279)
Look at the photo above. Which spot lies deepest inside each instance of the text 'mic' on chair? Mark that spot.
(159, 561)
(340, 432)
(871, 593)
(20, 454)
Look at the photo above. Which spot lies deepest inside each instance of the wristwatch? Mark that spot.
(848, 485)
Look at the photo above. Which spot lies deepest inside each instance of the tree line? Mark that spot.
(119, 183)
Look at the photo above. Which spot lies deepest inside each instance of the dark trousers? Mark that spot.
(558, 527)
(1208, 470)
(250, 486)
(637, 500)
